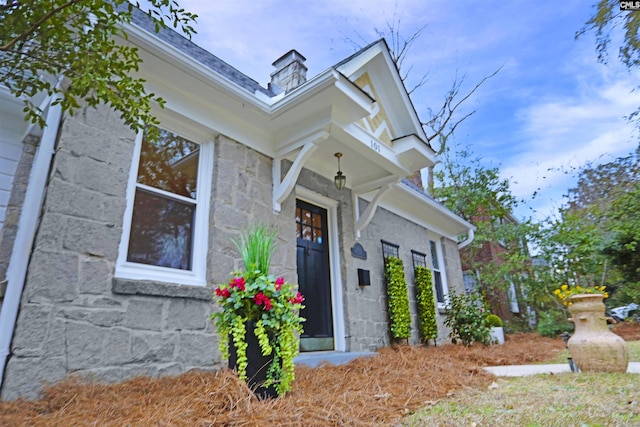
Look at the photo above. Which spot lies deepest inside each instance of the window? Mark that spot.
(165, 224)
(439, 278)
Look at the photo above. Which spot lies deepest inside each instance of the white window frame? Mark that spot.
(197, 275)
(442, 270)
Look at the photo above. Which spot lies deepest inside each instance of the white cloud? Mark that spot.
(560, 135)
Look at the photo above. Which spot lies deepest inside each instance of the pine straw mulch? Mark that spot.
(629, 331)
(365, 392)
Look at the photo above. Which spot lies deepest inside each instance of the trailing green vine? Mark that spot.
(426, 303)
(398, 299)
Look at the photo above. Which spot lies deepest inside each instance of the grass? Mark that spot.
(541, 400)
(568, 399)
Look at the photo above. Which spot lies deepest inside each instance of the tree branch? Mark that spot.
(37, 24)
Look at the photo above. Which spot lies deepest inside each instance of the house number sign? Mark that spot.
(375, 146)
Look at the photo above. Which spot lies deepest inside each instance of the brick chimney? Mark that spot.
(290, 72)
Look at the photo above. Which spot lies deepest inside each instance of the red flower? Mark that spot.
(223, 292)
(279, 283)
(262, 299)
(237, 282)
(298, 299)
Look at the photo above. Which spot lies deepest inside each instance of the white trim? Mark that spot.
(442, 270)
(337, 306)
(196, 276)
(27, 224)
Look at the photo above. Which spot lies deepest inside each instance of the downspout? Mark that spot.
(17, 271)
(468, 240)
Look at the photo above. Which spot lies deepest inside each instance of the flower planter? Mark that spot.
(257, 365)
(593, 347)
(497, 335)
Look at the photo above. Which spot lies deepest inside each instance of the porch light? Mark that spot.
(339, 180)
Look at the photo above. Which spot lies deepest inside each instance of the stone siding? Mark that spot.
(75, 317)
(365, 308)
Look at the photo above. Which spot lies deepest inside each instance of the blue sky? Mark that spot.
(550, 109)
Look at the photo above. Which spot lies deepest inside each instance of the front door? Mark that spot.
(314, 277)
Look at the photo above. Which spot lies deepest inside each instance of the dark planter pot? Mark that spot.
(257, 365)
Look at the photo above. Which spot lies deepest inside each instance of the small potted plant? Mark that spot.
(260, 317)
(497, 332)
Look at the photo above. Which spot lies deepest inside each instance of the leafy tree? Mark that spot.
(479, 195)
(596, 239)
(74, 50)
(606, 18)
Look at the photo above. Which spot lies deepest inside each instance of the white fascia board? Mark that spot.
(414, 153)
(149, 41)
(424, 211)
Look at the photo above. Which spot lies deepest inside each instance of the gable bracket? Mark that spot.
(363, 220)
(282, 188)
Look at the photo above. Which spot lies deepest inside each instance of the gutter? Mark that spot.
(27, 225)
(468, 240)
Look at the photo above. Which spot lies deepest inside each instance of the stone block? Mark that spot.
(53, 228)
(95, 276)
(31, 329)
(101, 144)
(52, 276)
(144, 314)
(25, 377)
(84, 345)
(76, 201)
(143, 370)
(147, 287)
(106, 318)
(197, 349)
(65, 166)
(92, 238)
(170, 369)
(230, 217)
(117, 347)
(103, 375)
(55, 344)
(106, 178)
(187, 314)
(147, 347)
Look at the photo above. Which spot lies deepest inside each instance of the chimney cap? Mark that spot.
(290, 56)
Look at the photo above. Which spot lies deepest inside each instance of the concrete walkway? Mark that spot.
(522, 370)
(315, 358)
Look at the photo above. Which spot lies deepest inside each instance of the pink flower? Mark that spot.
(298, 299)
(279, 283)
(223, 292)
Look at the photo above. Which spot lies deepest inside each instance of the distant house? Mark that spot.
(110, 244)
(503, 300)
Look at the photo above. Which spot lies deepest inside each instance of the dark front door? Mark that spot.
(313, 276)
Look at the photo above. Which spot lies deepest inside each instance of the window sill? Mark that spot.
(158, 289)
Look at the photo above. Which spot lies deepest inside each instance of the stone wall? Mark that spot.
(75, 317)
(9, 229)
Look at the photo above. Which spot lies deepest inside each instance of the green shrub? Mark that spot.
(398, 299)
(466, 317)
(553, 323)
(493, 321)
(426, 303)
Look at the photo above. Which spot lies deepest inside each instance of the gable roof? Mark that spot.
(201, 55)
